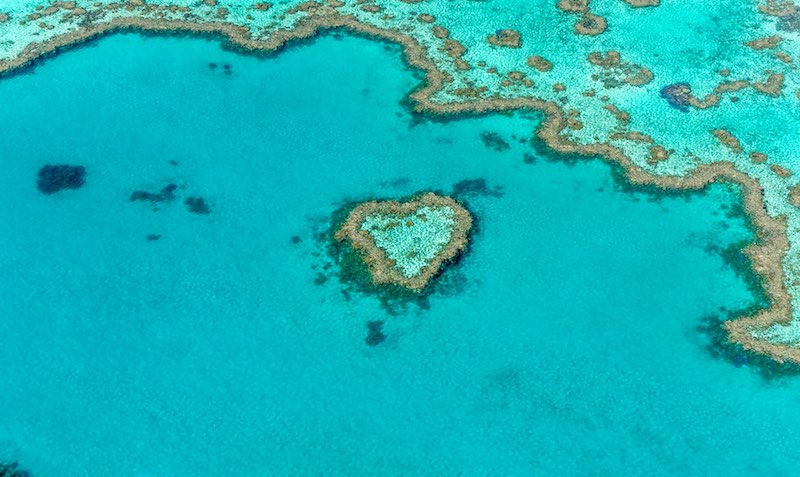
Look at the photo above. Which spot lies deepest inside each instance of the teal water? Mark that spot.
(569, 346)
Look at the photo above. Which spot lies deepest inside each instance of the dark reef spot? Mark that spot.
(167, 194)
(320, 279)
(375, 334)
(677, 95)
(12, 470)
(197, 205)
(529, 158)
(153, 237)
(55, 178)
(398, 183)
(173, 162)
(494, 141)
(470, 188)
(212, 66)
(296, 239)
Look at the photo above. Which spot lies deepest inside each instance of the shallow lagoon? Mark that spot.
(566, 342)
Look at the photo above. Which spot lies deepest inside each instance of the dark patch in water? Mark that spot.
(153, 237)
(54, 178)
(375, 334)
(320, 279)
(677, 95)
(167, 194)
(197, 205)
(212, 66)
(398, 183)
(471, 188)
(528, 158)
(494, 141)
(296, 239)
(12, 470)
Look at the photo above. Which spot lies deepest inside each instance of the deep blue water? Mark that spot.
(566, 343)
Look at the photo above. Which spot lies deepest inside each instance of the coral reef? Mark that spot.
(375, 335)
(54, 178)
(407, 243)
(166, 194)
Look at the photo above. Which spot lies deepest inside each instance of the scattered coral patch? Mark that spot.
(643, 3)
(615, 73)
(508, 38)
(167, 194)
(56, 178)
(375, 335)
(197, 205)
(494, 141)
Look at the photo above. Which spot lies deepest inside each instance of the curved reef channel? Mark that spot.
(632, 107)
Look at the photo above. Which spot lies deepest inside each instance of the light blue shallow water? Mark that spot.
(571, 348)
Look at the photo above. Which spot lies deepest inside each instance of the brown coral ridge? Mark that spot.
(507, 38)
(540, 64)
(680, 94)
(766, 253)
(778, 8)
(591, 25)
(728, 140)
(643, 3)
(573, 6)
(383, 269)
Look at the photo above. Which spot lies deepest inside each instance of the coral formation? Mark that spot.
(407, 243)
(197, 205)
(166, 194)
(54, 178)
(375, 335)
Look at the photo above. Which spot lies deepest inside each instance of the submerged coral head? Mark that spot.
(407, 243)
(53, 178)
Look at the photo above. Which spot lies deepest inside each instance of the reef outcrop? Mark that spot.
(407, 243)
(55, 178)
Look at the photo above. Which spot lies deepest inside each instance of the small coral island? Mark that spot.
(407, 243)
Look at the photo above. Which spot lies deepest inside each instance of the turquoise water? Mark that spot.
(569, 346)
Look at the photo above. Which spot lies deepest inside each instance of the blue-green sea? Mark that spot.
(567, 342)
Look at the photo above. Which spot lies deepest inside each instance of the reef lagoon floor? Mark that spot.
(579, 334)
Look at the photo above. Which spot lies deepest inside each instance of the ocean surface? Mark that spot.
(566, 342)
